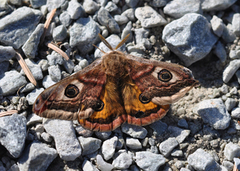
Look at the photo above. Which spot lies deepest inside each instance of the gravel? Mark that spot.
(201, 130)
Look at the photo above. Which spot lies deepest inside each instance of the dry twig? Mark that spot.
(10, 112)
(58, 50)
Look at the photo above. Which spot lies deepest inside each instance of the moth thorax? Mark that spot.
(115, 64)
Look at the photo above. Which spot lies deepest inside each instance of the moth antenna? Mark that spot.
(105, 42)
(98, 48)
(122, 42)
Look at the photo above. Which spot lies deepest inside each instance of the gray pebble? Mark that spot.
(35, 69)
(105, 19)
(230, 103)
(51, 4)
(90, 6)
(130, 14)
(176, 9)
(16, 27)
(236, 113)
(110, 7)
(177, 153)
(88, 166)
(67, 144)
(237, 163)
(159, 127)
(231, 151)
(217, 25)
(59, 33)
(46, 137)
(149, 161)
(47, 81)
(230, 70)
(236, 24)
(55, 72)
(134, 131)
(201, 160)
(108, 147)
(167, 146)
(55, 59)
(224, 89)
(158, 3)
(178, 133)
(103, 135)
(83, 34)
(30, 47)
(149, 17)
(131, 3)
(220, 52)
(27, 88)
(83, 132)
(227, 164)
(121, 19)
(4, 67)
(65, 19)
(37, 156)
(68, 65)
(183, 123)
(228, 34)
(182, 36)
(234, 53)
(10, 82)
(214, 112)
(13, 133)
(75, 9)
(123, 161)
(6, 53)
(102, 165)
(141, 36)
(43, 63)
(216, 5)
(37, 3)
(33, 119)
(83, 63)
(89, 144)
(133, 143)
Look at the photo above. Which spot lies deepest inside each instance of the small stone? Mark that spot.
(132, 3)
(68, 65)
(167, 146)
(134, 131)
(159, 3)
(6, 53)
(37, 156)
(32, 96)
(90, 6)
(59, 33)
(55, 59)
(110, 7)
(159, 127)
(16, 27)
(83, 63)
(214, 112)
(149, 161)
(46, 137)
(236, 113)
(149, 17)
(133, 143)
(217, 5)
(182, 36)
(27, 88)
(34, 68)
(183, 123)
(107, 20)
(102, 165)
(231, 151)
(176, 9)
(103, 135)
(75, 9)
(43, 63)
(33, 119)
(51, 4)
(30, 47)
(228, 165)
(123, 161)
(177, 153)
(217, 25)
(129, 13)
(88, 166)
(55, 72)
(201, 160)
(89, 144)
(83, 34)
(10, 82)
(234, 53)
(228, 34)
(220, 52)
(108, 147)
(236, 24)
(121, 19)
(37, 3)
(47, 81)
(224, 89)
(178, 133)
(65, 19)
(230, 70)
(66, 143)
(230, 103)
(13, 133)
(83, 131)
(141, 36)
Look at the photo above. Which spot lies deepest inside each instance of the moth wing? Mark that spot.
(152, 86)
(83, 97)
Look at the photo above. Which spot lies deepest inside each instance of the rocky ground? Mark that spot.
(200, 132)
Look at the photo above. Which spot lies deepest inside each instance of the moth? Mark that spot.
(114, 89)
